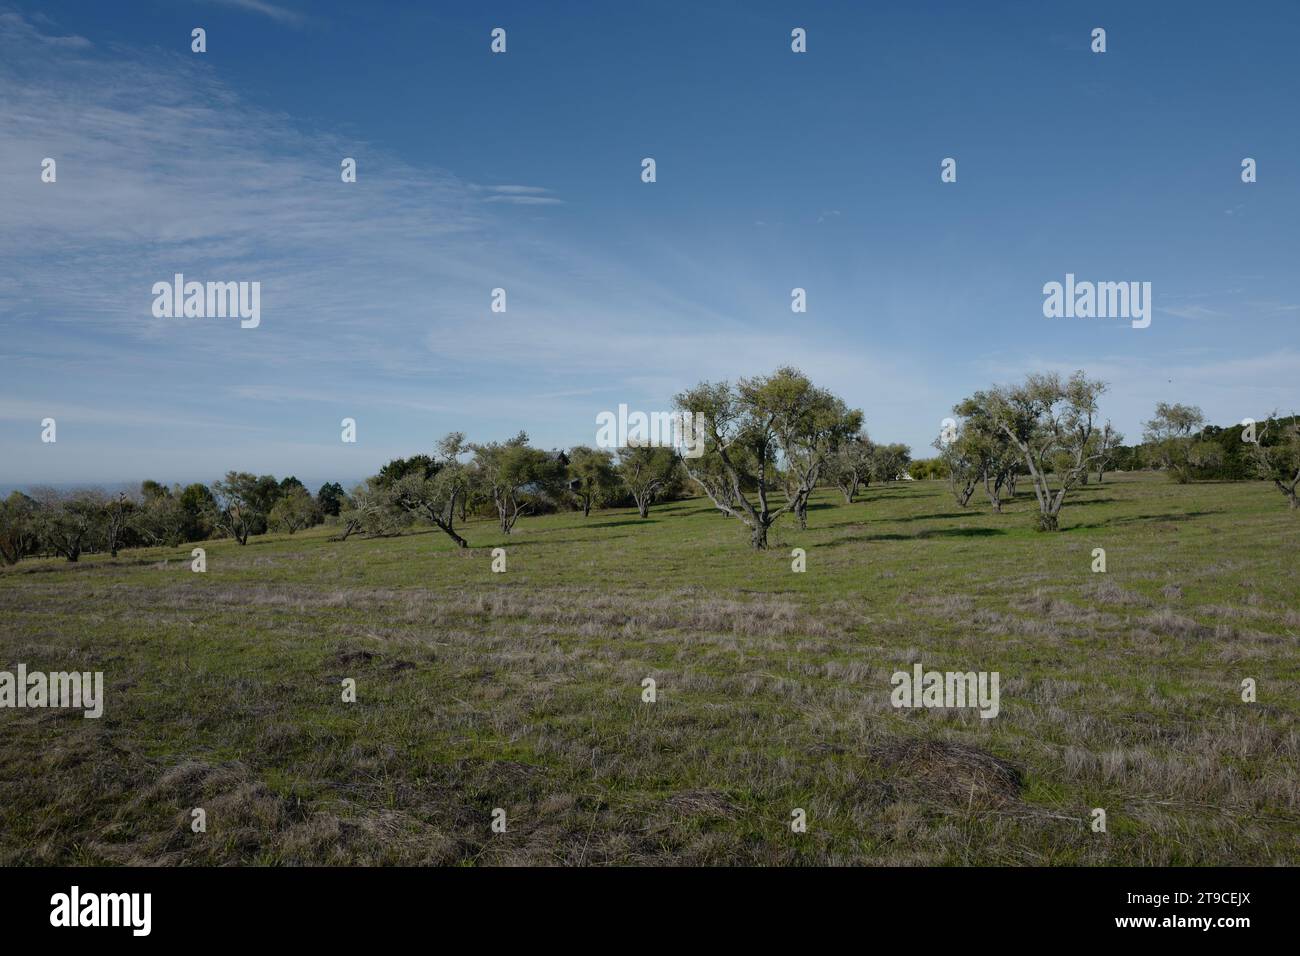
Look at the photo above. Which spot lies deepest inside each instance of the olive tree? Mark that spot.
(117, 513)
(959, 462)
(67, 522)
(434, 499)
(371, 510)
(1171, 436)
(811, 424)
(509, 471)
(645, 470)
(993, 457)
(1276, 455)
(739, 453)
(591, 475)
(19, 531)
(850, 467)
(160, 518)
(889, 462)
(1109, 441)
(434, 491)
(709, 472)
(294, 510)
(1052, 423)
(755, 427)
(238, 503)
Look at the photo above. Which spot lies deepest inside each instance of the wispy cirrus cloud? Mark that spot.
(520, 195)
(276, 12)
(1193, 312)
(21, 30)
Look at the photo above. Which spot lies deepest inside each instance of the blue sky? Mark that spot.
(522, 171)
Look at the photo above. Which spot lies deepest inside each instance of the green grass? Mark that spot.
(523, 690)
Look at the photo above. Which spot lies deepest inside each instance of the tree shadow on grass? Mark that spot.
(1136, 519)
(42, 564)
(880, 491)
(935, 516)
(920, 535)
(684, 513)
(960, 533)
(618, 524)
(512, 542)
(855, 538)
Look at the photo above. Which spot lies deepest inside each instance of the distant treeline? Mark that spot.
(764, 445)
(47, 522)
(1212, 453)
(505, 480)
(1215, 453)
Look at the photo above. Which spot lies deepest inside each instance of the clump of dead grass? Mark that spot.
(949, 772)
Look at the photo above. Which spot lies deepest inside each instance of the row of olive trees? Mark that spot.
(858, 461)
(243, 504)
(1178, 441)
(782, 432)
(1046, 428)
(1049, 429)
(72, 523)
(47, 522)
(508, 480)
(768, 443)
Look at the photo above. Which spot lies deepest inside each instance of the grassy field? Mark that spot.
(523, 690)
